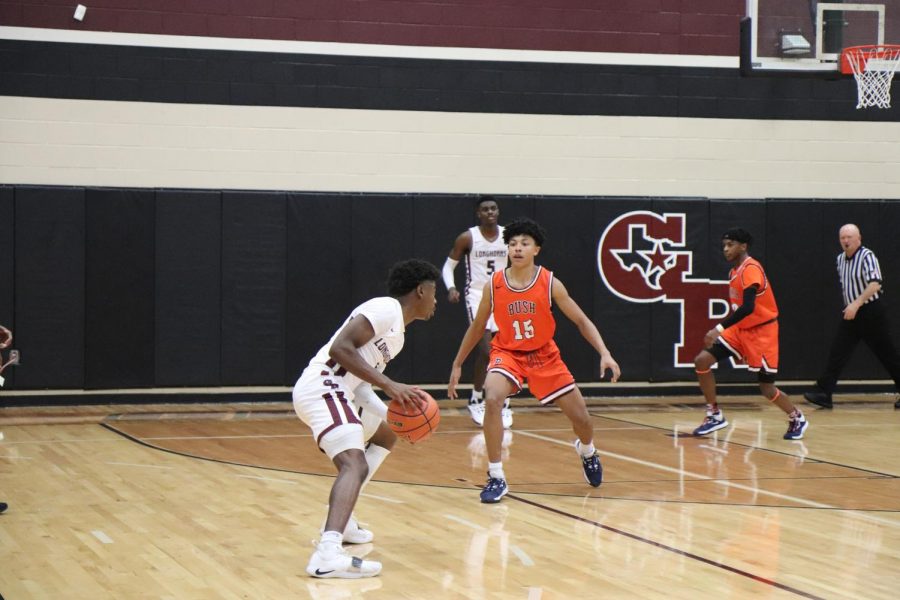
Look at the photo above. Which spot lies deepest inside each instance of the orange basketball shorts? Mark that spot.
(756, 346)
(547, 375)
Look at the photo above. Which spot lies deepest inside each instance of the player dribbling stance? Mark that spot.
(334, 397)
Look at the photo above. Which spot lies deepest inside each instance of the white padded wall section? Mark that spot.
(96, 143)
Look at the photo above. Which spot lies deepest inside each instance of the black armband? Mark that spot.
(744, 310)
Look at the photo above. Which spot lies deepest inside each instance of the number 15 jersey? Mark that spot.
(523, 316)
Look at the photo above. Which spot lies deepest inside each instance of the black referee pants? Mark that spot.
(870, 326)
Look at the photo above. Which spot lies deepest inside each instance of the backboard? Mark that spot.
(807, 36)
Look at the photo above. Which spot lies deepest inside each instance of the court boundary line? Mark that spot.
(232, 463)
(804, 504)
(668, 548)
(512, 497)
(742, 445)
(697, 502)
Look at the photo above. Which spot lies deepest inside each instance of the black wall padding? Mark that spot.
(791, 263)
(109, 288)
(319, 294)
(120, 289)
(888, 252)
(50, 304)
(254, 259)
(7, 267)
(381, 234)
(563, 253)
(188, 288)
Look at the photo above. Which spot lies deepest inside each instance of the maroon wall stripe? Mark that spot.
(641, 26)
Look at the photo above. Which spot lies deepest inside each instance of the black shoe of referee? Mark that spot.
(897, 403)
(818, 398)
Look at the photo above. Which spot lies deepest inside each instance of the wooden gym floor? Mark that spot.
(225, 501)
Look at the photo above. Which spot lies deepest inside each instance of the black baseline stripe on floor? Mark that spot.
(662, 546)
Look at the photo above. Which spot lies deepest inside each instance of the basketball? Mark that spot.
(416, 425)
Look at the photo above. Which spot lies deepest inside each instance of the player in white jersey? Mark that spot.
(334, 397)
(485, 252)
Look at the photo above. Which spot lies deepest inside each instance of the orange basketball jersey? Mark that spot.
(750, 272)
(523, 317)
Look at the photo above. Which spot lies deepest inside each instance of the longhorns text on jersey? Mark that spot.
(483, 260)
(642, 258)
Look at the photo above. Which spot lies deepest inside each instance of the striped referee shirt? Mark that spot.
(857, 272)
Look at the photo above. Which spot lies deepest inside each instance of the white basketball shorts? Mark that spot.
(337, 421)
(473, 299)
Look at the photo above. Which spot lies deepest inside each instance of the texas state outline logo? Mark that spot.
(642, 257)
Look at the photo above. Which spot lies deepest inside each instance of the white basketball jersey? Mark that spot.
(386, 317)
(484, 258)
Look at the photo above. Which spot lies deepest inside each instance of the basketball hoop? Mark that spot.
(873, 67)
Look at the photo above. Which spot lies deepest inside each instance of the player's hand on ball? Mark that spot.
(409, 396)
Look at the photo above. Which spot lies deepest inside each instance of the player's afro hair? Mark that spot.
(524, 226)
(741, 236)
(406, 276)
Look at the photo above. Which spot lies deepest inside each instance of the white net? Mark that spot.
(874, 70)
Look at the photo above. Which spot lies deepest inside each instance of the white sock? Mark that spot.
(375, 455)
(496, 470)
(331, 541)
(476, 397)
(587, 449)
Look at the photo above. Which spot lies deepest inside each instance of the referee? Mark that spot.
(864, 319)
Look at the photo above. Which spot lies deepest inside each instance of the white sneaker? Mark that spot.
(338, 563)
(476, 411)
(353, 533)
(506, 415)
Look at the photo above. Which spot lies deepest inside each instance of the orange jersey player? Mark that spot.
(749, 333)
(520, 298)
